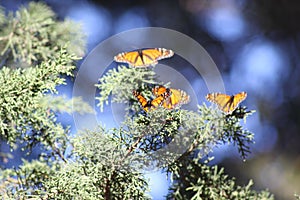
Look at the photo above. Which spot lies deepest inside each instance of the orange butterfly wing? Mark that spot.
(176, 98)
(148, 105)
(237, 99)
(160, 90)
(143, 58)
(142, 100)
(132, 58)
(225, 102)
(171, 97)
(168, 98)
(157, 101)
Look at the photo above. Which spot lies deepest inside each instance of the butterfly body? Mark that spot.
(143, 57)
(226, 103)
(148, 105)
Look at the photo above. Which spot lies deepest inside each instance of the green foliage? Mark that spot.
(32, 35)
(197, 181)
(121, 82)
(197, 132)
(2, 15)
(102, 164)
(23, 117)
(32, 38)
(235, 133)
(30, 176)
(98, 171)
(62, 104)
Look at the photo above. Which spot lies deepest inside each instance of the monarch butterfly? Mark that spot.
(172, 97)
(227, 103)
(144, 57)
(147, 105)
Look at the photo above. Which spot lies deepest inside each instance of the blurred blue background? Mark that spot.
(254, 43)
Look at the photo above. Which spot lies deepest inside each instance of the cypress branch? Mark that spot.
(102, 164)
(32, 35)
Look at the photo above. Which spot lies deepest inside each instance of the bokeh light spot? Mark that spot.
(133, 18)
(225, 24)
(96, 21)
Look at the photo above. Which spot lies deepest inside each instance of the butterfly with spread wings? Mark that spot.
(226, 103)
(148, 105)
(143, 57)
(173, 97)
(167, 97)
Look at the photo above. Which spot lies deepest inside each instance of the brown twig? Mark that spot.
(107, 193)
